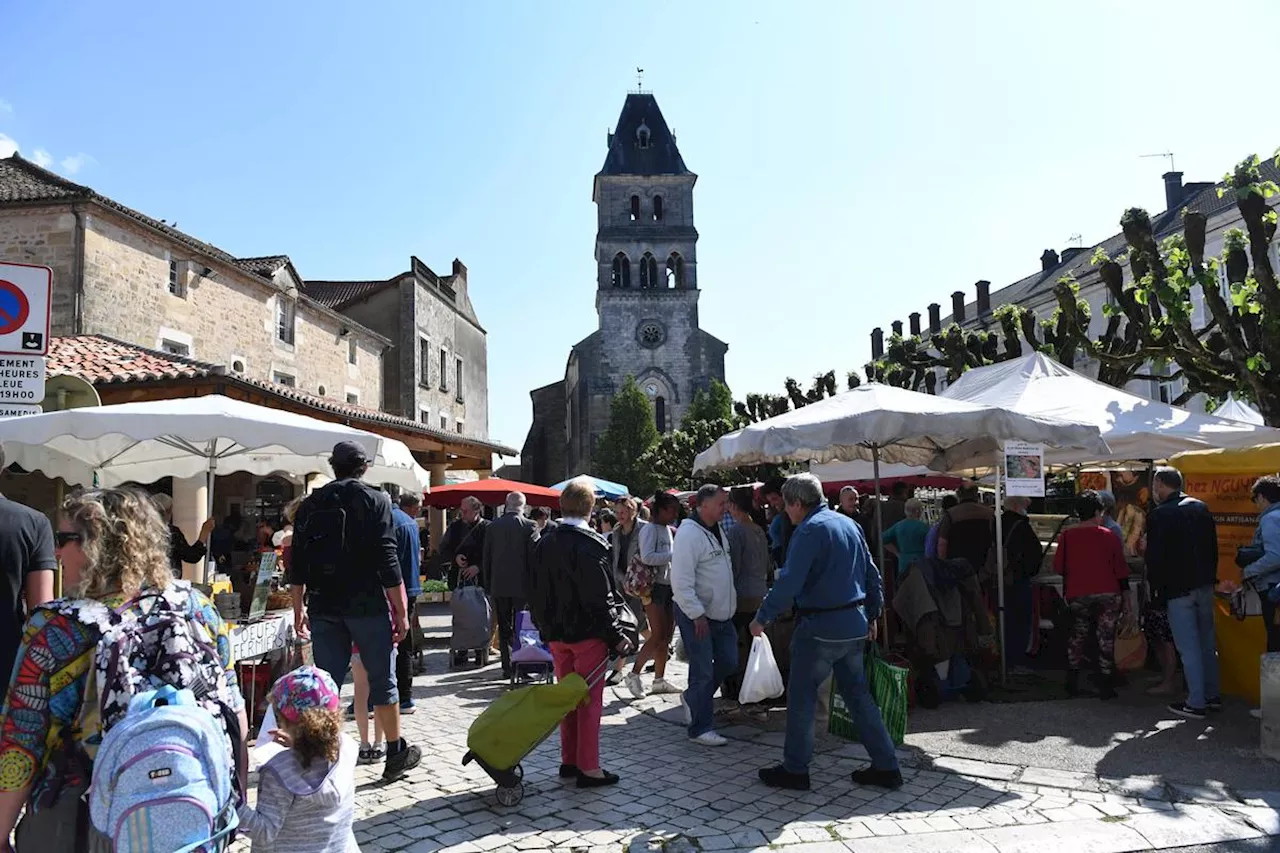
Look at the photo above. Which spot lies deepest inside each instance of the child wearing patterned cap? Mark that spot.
(306, 794)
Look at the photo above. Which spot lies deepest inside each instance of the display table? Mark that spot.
(260, 649)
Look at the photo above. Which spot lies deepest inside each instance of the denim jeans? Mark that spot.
(711, 661)
(1191, 620)
(813, 659)
(331, 640)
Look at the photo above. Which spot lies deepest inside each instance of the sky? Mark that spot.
(856, 161)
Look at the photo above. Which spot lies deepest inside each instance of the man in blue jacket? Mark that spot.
(838, 595)
(409, 550)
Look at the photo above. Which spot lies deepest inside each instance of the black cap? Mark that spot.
(347, 454)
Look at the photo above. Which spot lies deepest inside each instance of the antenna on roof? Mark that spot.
(1076, 240)
(1168, 154)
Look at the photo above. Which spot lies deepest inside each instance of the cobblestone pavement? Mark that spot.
(679, 797)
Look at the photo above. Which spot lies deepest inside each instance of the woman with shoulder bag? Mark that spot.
(1260, 561)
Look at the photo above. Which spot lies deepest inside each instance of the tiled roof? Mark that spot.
(1205, 200)
(105, 361)
(339, 294)
(626, 157)
(101, 360)
(266, 266)
(23, 182)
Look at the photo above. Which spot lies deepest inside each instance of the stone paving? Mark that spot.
(678, 797)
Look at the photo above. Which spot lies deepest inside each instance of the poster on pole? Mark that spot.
(1024, 469)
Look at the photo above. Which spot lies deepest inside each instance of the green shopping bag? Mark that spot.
(889, 689)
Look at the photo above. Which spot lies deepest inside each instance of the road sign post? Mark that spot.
(26, 295)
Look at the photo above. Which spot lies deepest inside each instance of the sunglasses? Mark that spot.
(64, 537)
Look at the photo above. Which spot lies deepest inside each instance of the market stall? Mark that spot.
(1224, 480)
(606, 489)
(490, 492)
(888, 424)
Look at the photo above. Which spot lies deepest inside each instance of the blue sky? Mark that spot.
(857, 161)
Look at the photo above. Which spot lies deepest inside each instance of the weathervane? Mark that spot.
(639, 79)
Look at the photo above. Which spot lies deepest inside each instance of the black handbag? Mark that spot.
(1247, 555)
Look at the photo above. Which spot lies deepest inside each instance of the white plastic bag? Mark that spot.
(763, 679)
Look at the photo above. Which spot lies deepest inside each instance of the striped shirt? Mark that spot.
(304, 810)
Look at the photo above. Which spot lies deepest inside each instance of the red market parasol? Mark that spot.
(491, 492)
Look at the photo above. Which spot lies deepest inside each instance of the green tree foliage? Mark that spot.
(631, 433)
(709, 405)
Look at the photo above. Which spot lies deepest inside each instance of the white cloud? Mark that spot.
(42, 158)
(8, 147)
(6, 108)
(75, 163)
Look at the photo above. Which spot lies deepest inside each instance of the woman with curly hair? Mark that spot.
(114, 550)
(307, 794)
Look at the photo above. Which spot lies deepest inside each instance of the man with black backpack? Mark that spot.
(346, 569)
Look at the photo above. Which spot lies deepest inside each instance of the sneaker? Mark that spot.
(663, 687)
(1256, 713)
(891, 779)
(1213, 706)
(401, 762)
(1182, 709)
(366, 755)
(781, 777)
(710, 739)
(632, 681)
(684, 706)
(408, 707)
(614, 678)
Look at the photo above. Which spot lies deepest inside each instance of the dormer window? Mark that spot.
(642, 135)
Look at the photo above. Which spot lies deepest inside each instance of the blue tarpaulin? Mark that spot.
(604, 488)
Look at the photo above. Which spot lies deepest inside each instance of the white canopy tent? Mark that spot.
(887, 424)
(1236, 410)
(186, 437)
(1134, 427)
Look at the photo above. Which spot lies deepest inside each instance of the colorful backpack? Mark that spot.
(157, 677)
(162, 780)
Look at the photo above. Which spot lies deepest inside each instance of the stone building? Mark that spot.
(142, 310)
(436, 369)
(975, 309)
(120, 273)
(646, 301)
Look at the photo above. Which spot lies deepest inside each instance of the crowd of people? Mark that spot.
(602, 584)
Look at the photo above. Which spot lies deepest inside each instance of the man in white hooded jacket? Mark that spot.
(702, 586)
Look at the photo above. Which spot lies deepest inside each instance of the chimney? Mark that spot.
(877, 342)
(1068, 254)
(459, 268)
(984, 297)
(957, 306)
(914, 319)
(935, 318)
(1173, 192)
(1048, 260)
(896, 325)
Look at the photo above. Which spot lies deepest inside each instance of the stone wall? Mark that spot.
(408, 313)
(45, 237)
(228, 317)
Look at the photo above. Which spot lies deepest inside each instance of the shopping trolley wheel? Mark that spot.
(511, 796)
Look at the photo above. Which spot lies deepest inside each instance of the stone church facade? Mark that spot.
(646, 301)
